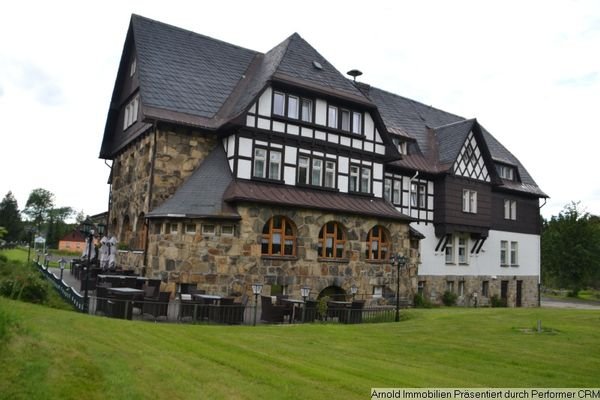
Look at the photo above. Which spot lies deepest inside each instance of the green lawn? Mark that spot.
(55, 354)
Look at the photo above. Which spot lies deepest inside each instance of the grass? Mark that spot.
(54, 354)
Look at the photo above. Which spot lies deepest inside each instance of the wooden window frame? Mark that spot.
(324, 235)
(382, 241)
(271, 231)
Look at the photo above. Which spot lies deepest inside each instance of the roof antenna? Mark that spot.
(354, 73)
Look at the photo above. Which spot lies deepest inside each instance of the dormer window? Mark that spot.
(133, 67)
(131, 112)
(293, 107)
(344, 119)
(400, 145)
(506, 172)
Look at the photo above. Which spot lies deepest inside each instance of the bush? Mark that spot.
(21, 282)
(419, 301)
(496, 301)
(449, 298)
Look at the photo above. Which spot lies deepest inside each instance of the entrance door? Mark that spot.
(519, 293)
(504, 292)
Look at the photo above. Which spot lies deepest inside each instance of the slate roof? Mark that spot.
(183, 71)
(201, 195)
(293, 196)
(196, 80)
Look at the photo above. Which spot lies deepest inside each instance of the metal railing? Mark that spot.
(65, 291)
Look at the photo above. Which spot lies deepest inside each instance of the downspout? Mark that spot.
(540, 274)
(150, 189)
(109, 196)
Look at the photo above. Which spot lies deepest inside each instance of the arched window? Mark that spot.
(279, 237)
(377, 244)
(331, 240)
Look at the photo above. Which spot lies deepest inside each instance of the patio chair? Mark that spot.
(195, 310)
(157, 307)
(270, 312)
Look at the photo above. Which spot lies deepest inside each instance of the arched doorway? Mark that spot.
(334, 293)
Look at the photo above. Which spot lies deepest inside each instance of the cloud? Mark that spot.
(28, 77)
(580, 81)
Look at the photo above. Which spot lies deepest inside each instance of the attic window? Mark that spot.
(505, 172)
(317, 65)
(400, 145)
(131, 112)
(133, 67)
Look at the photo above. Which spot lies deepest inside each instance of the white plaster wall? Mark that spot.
(244, 168)
(487, 262)
(245, 147)
(369, 127)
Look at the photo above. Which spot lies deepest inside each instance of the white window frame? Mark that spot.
(131, 112)
(279, 107)
(260, 156)
(461, 288)
(304, 164)
(414, 195)
(306, 112)
(377, 292)
(293, 110)
(207, 231)
(504, 253)
(449, 251)
(133, 67)
(329, 177)
(189, 231)
(332, 120)
(510, 209)
(173, 228)
(275, 159)
(469, 201)
(345, 120)
(356, 122)
(514, 254)
(316, 174)
(227, 227)
(450, 286)
(365, 180)
(354, 178)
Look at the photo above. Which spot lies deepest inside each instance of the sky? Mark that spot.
(529, 71)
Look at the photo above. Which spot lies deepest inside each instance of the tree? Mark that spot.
(39, 204)
(571, 248)
(10, 218)
(57, 227)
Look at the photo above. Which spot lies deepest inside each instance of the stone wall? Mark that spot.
(178, 153)
(434, 287)
(228, 265)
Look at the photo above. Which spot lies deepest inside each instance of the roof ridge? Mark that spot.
(471, 120)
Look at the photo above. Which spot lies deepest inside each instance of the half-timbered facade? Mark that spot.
(231, 166)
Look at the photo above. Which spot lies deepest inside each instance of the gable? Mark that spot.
(470, 162)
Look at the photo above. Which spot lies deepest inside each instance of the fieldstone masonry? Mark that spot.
(228, 265)
(434, 287)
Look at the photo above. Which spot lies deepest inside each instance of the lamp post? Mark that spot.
(31, 231)
(399, 261)
(256, 289)
(304, 292)
(353, 290)
(87, 228)
(47, 260)
(61, 263)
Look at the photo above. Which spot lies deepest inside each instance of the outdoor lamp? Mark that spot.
(305, 292)
(353, 290)
(61, 263)
(256, 289)
(87, 228)
(101, 229)
(399, 261)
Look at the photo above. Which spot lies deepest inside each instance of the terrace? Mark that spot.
(125, 295)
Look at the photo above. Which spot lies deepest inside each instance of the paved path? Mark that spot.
(557, 303)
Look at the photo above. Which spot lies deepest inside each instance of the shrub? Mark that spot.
(496, 301)
(419, 301)
(449, 298)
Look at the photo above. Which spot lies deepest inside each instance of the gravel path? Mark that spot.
(555, 303)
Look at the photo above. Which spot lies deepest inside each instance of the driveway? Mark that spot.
(578, 305)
